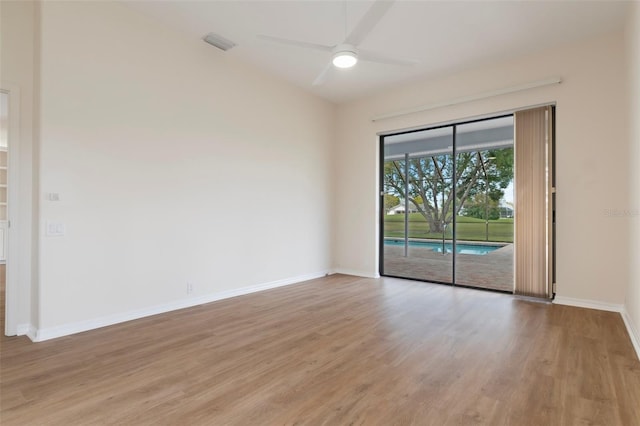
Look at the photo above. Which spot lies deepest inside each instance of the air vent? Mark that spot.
(218, 41)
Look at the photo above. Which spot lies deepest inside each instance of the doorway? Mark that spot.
(6, 123)
(447, 202)
(4, 223)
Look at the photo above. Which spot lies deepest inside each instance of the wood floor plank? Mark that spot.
(337, 350)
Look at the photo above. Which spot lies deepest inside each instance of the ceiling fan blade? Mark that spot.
(324, 74)
(296, 43)
(370, 19)
(366, 55)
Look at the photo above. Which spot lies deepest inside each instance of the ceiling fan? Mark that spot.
(347, 53)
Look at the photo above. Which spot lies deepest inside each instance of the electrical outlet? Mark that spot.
(189, 288)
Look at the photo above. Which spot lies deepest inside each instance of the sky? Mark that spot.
(508, 193)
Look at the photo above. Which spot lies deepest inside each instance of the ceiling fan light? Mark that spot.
(345, 59)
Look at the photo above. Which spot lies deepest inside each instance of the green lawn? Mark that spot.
(469, 228)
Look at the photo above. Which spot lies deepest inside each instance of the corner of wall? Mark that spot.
(631, 311)
(634, 333)
(35, 163)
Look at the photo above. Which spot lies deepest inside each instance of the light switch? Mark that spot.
(55, 229)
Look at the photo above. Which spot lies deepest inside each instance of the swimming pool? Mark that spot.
(476, 249)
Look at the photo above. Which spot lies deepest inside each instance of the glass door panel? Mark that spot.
(484, 204)
(395, 241)
(418, 172)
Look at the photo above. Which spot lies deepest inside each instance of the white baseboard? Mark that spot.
(633, 331)
(32, 333)
(22, 329)
(586, 303)
(39, 335)
(357, 273)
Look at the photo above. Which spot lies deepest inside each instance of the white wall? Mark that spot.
(174, 163)
(592, 148)
(17, 47)
(632, 303)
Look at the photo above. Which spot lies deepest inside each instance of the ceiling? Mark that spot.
(442, 36)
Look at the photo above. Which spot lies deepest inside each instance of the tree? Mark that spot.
(482, 206)
(390, 201)
(430, 182)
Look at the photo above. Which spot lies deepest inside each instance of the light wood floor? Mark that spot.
(338, 350)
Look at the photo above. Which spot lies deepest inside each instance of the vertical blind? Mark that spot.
(534, 202)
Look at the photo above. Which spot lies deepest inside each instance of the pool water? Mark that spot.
(476, 249)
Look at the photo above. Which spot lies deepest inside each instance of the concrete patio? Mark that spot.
(493, 270)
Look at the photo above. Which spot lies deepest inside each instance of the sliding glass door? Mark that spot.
(448, 204)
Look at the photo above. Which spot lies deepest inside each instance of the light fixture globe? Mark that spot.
(345, 56)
